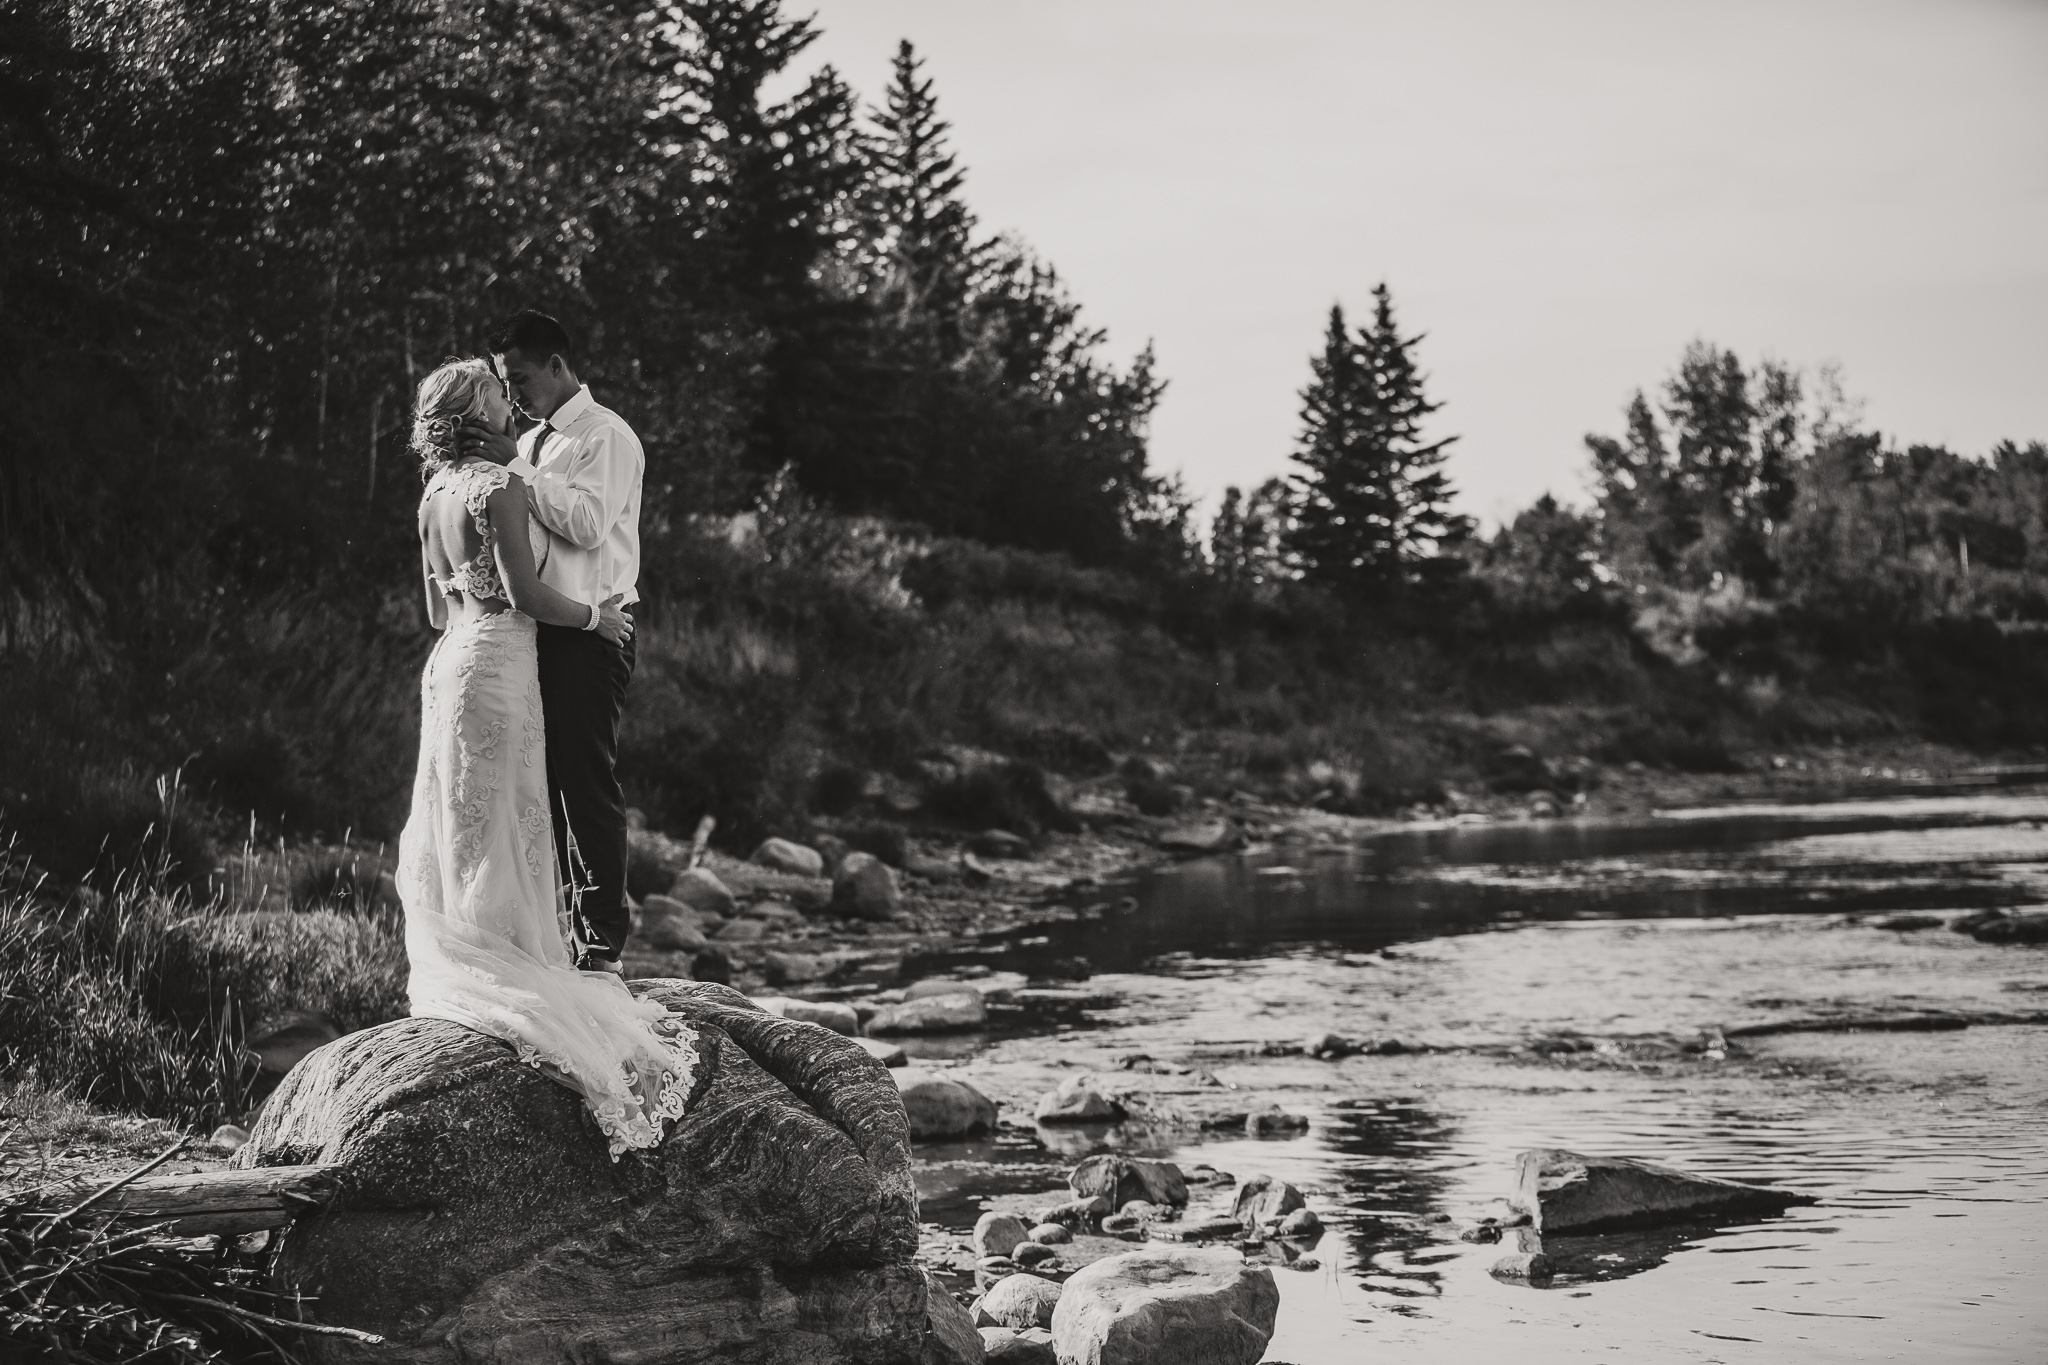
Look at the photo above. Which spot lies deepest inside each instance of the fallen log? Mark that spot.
(207, 1203)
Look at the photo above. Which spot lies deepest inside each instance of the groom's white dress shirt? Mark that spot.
(583, 469)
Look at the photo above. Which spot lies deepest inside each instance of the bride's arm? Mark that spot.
(522, 579)
(437, 601)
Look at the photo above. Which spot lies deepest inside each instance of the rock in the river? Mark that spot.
(1204, 836)
(1210, 1230)
(712, 965)
(1076, 1213)
(1521, 1265)
(1020, 1301)
(701, 890)
(997, 1234)
(1128, 1226)
(865, 886)
(785, 855)
(825, 1013)
(741, 931)
(1031, 1346)
(994, 1266)
(1262, 1199)
(776, 1221)
(1325, 1044)
(1051, 1234)
(2031, 927)
(1076, 1101)
(1000, 843)
(932, 987)
(1273, 1119)
(1186, 1305)
(1120, 1179)
(1029, 1254)
(959, 1012)
(1566, 1192)
(887, 1053)
(940, 1107)
(1300, 1223)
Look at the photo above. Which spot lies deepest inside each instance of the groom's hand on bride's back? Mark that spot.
(496, 446)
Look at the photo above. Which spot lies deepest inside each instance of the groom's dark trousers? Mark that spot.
(583, 681)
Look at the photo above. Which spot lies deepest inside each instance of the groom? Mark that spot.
(583, 467)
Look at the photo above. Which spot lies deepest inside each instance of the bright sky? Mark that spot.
(1561, 194)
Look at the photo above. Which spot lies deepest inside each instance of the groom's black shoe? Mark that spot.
(603, 964)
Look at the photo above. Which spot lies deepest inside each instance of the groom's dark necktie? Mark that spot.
(540, 440)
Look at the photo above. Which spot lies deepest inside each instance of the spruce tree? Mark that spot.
(923, 255)
(1375, 501)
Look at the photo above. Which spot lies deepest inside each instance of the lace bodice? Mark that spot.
(474, 483)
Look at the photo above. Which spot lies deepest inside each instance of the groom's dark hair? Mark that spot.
(533, 333)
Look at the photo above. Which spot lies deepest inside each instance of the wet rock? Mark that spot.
(933, 987)
(1029, 1254)
(1020, 1301)
(1144, 1210)
(996, 1266)
(1185, 1305)
(825, 1013)
(1051, 1234)
(1906, 924)
(1077, 1102)
(1305, 1263)
(959, 1012)
(997, 1234)
(1201, 836)
(1120, 1179)
(782, 1196)
(1970, 924)
(951, 1337)
(1300, 1223)
(701, 890)
(2027, 928)
(1480, 1234)
(1522, 1265)
(1031, 1346)
(785, 855)
(1076, 1213)
(865, 886)
(1128, 1226)
(1211, 1230)
(1331, 1045)
(1565, 1191)
(1263, 1199)
(1273, 1119)
(780, 918)
(888, 1054)
(1205, 1174)
(940, 1107)
(1000, 843)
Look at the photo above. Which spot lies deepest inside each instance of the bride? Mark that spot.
(487, 927)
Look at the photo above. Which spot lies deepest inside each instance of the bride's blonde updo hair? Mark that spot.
(448, 397)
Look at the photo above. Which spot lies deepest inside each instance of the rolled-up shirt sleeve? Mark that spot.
(582, 500)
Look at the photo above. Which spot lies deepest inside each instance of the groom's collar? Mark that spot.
(573, 407)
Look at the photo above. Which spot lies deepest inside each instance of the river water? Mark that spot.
(1541, 975)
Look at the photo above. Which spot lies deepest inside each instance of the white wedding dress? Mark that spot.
(486, 919)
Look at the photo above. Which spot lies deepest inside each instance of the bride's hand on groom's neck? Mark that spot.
(489, 443)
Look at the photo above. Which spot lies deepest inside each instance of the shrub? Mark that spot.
(1011, 796)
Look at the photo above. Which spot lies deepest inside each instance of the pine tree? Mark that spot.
(923, 253)
(1375, 501)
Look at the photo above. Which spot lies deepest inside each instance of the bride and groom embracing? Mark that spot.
(512, 867)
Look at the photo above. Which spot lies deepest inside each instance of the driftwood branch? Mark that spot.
(217, 1202)
(317, 1328)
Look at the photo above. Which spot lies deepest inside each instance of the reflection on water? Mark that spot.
(1929, 1150)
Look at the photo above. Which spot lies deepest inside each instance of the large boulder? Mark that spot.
(479, 1217)
(1120, 1179)
(1025, 1346)
(957, 1012)
(951, 1338)
(1076, 1101)
(939, 1106)
(1188, 1305)
(785, 855)
(1264, 1199)
(701, 890)
(1567, 1192)
(997, 1234)
(865, 886)
(668, 924)
(1018, 1301)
